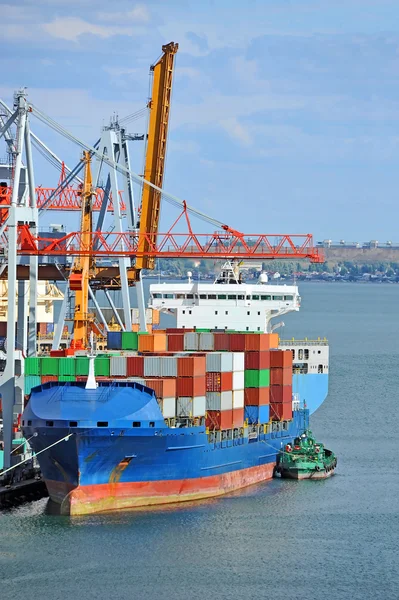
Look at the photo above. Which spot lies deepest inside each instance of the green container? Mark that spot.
(31, 381)
(32, 366)
(67, 366)
(130, 340)
(66, 378)
(50, 366)
(82, 365)
(257, 379)
(202, 330)
(101, 367)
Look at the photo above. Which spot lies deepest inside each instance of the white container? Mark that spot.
(117, 367)
(136, 380)
(199, 406)
(168, 407)
(168, 366)
(184, 406)
(238, 380)
(219, 400)
(238, 399)
(152, 366)
(238, 361)
(191, 341)
(206, 342)
(219, 362)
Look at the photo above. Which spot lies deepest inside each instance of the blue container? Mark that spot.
(114, 340)
(49, 327)
(257, 414)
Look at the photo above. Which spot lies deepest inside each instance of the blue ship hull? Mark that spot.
(312, 389)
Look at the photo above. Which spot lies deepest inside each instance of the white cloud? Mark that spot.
(237, 131)
(70, 28)
(139, 14)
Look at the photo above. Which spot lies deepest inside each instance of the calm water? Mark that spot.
(334, 539)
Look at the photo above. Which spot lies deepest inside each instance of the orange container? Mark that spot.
(163, 388)
(153, 342)
(191, 386)
(191, 366)
(257, 360)
(260, 341)
(281, 358)
(219, 382)
(281, 394)
(256, 396)
(281, 376)
(48, 378)
(216, 419)
(238, 417)
(281, 412)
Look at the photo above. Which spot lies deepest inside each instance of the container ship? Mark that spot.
(179, 414)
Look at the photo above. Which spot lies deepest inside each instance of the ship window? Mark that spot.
(300, 354)
(258, 313)
(232, 297)
(216, 312)
(102, 423)
(306, 354)
(258, 328)
(49, 423)
(180, 296)
(240, 297)
(189, 312)
(152, 424)
(247, 328)
(211, 296)
(136, 423)
(157, 295)
(319, 352)
(278, 298)
(29, 423)
(73, 423)
(288, 297)
(293, 354)
(221, 296)
(255, 297)
(320, 369)
(202, 296)
(190, 296)
(226, 312)
(265, 297)
(23, 423)
(248, 312)
(169, 296)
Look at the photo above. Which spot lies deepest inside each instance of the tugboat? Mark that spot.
(306, 459)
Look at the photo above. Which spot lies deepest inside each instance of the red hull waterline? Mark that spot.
(84, 500)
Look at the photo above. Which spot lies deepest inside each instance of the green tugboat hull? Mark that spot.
(306, 459)
(302, 474)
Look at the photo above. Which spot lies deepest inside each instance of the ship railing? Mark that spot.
(305, 342)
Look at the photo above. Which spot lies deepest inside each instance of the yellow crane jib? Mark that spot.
(156, 151)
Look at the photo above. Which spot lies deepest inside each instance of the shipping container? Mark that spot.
(257, 396)
(129, 340)
(219, 382)
(32, 366)
(257, 414)
(237, 342)
(206, 342)
(255, 378)
(152, 366)
(237, 417)
(168, 366)
(184, 406)
(114, 340)
(219, 401)
(199, 406)
(31, 381)
(50, 366)
(82, 365)
(281, 411)
(66, 378)
(49, 328)
(135, 366)
(182, 330)
(67, 366)
(191, 386)
(168, 407)
(191, 341)
(219, 420)
(118, 366)
(48, 378)
(238, 380)
(257, 360)
(163, 388)
(221, 342)
(281, 358)
(101, 367)
(191, 366)
(176, 342)
(154, 342)
(281, 394)
(281, 376)
(238, 361)
(260, 341)
(219, 362)
(238, 399)
(43, 328)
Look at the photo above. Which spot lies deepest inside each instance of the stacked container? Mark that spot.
(281, 385)
(191, 385)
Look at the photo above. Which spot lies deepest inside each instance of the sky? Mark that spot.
(285, 113)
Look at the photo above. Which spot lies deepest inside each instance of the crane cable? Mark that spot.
(174, 200)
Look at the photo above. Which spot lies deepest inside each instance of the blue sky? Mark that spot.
(285, 115)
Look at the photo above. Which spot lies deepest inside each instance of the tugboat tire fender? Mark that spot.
(317, 468)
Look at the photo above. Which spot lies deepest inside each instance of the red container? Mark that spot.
(176, 342)
(58, 353)
(135, 366)
(191, 386)
(221, 342)
(177, 330)
(237, 342)
(3, 328)
(281, 376)
(281, 412)
(256, 396)
(216, 419)
(281, 358)
(238, 417)
(260, 341)
(219, 382)
(257, 360)
(191, 366)
(280, 394)
(163, 388)
(42, 328)
(48, 378)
